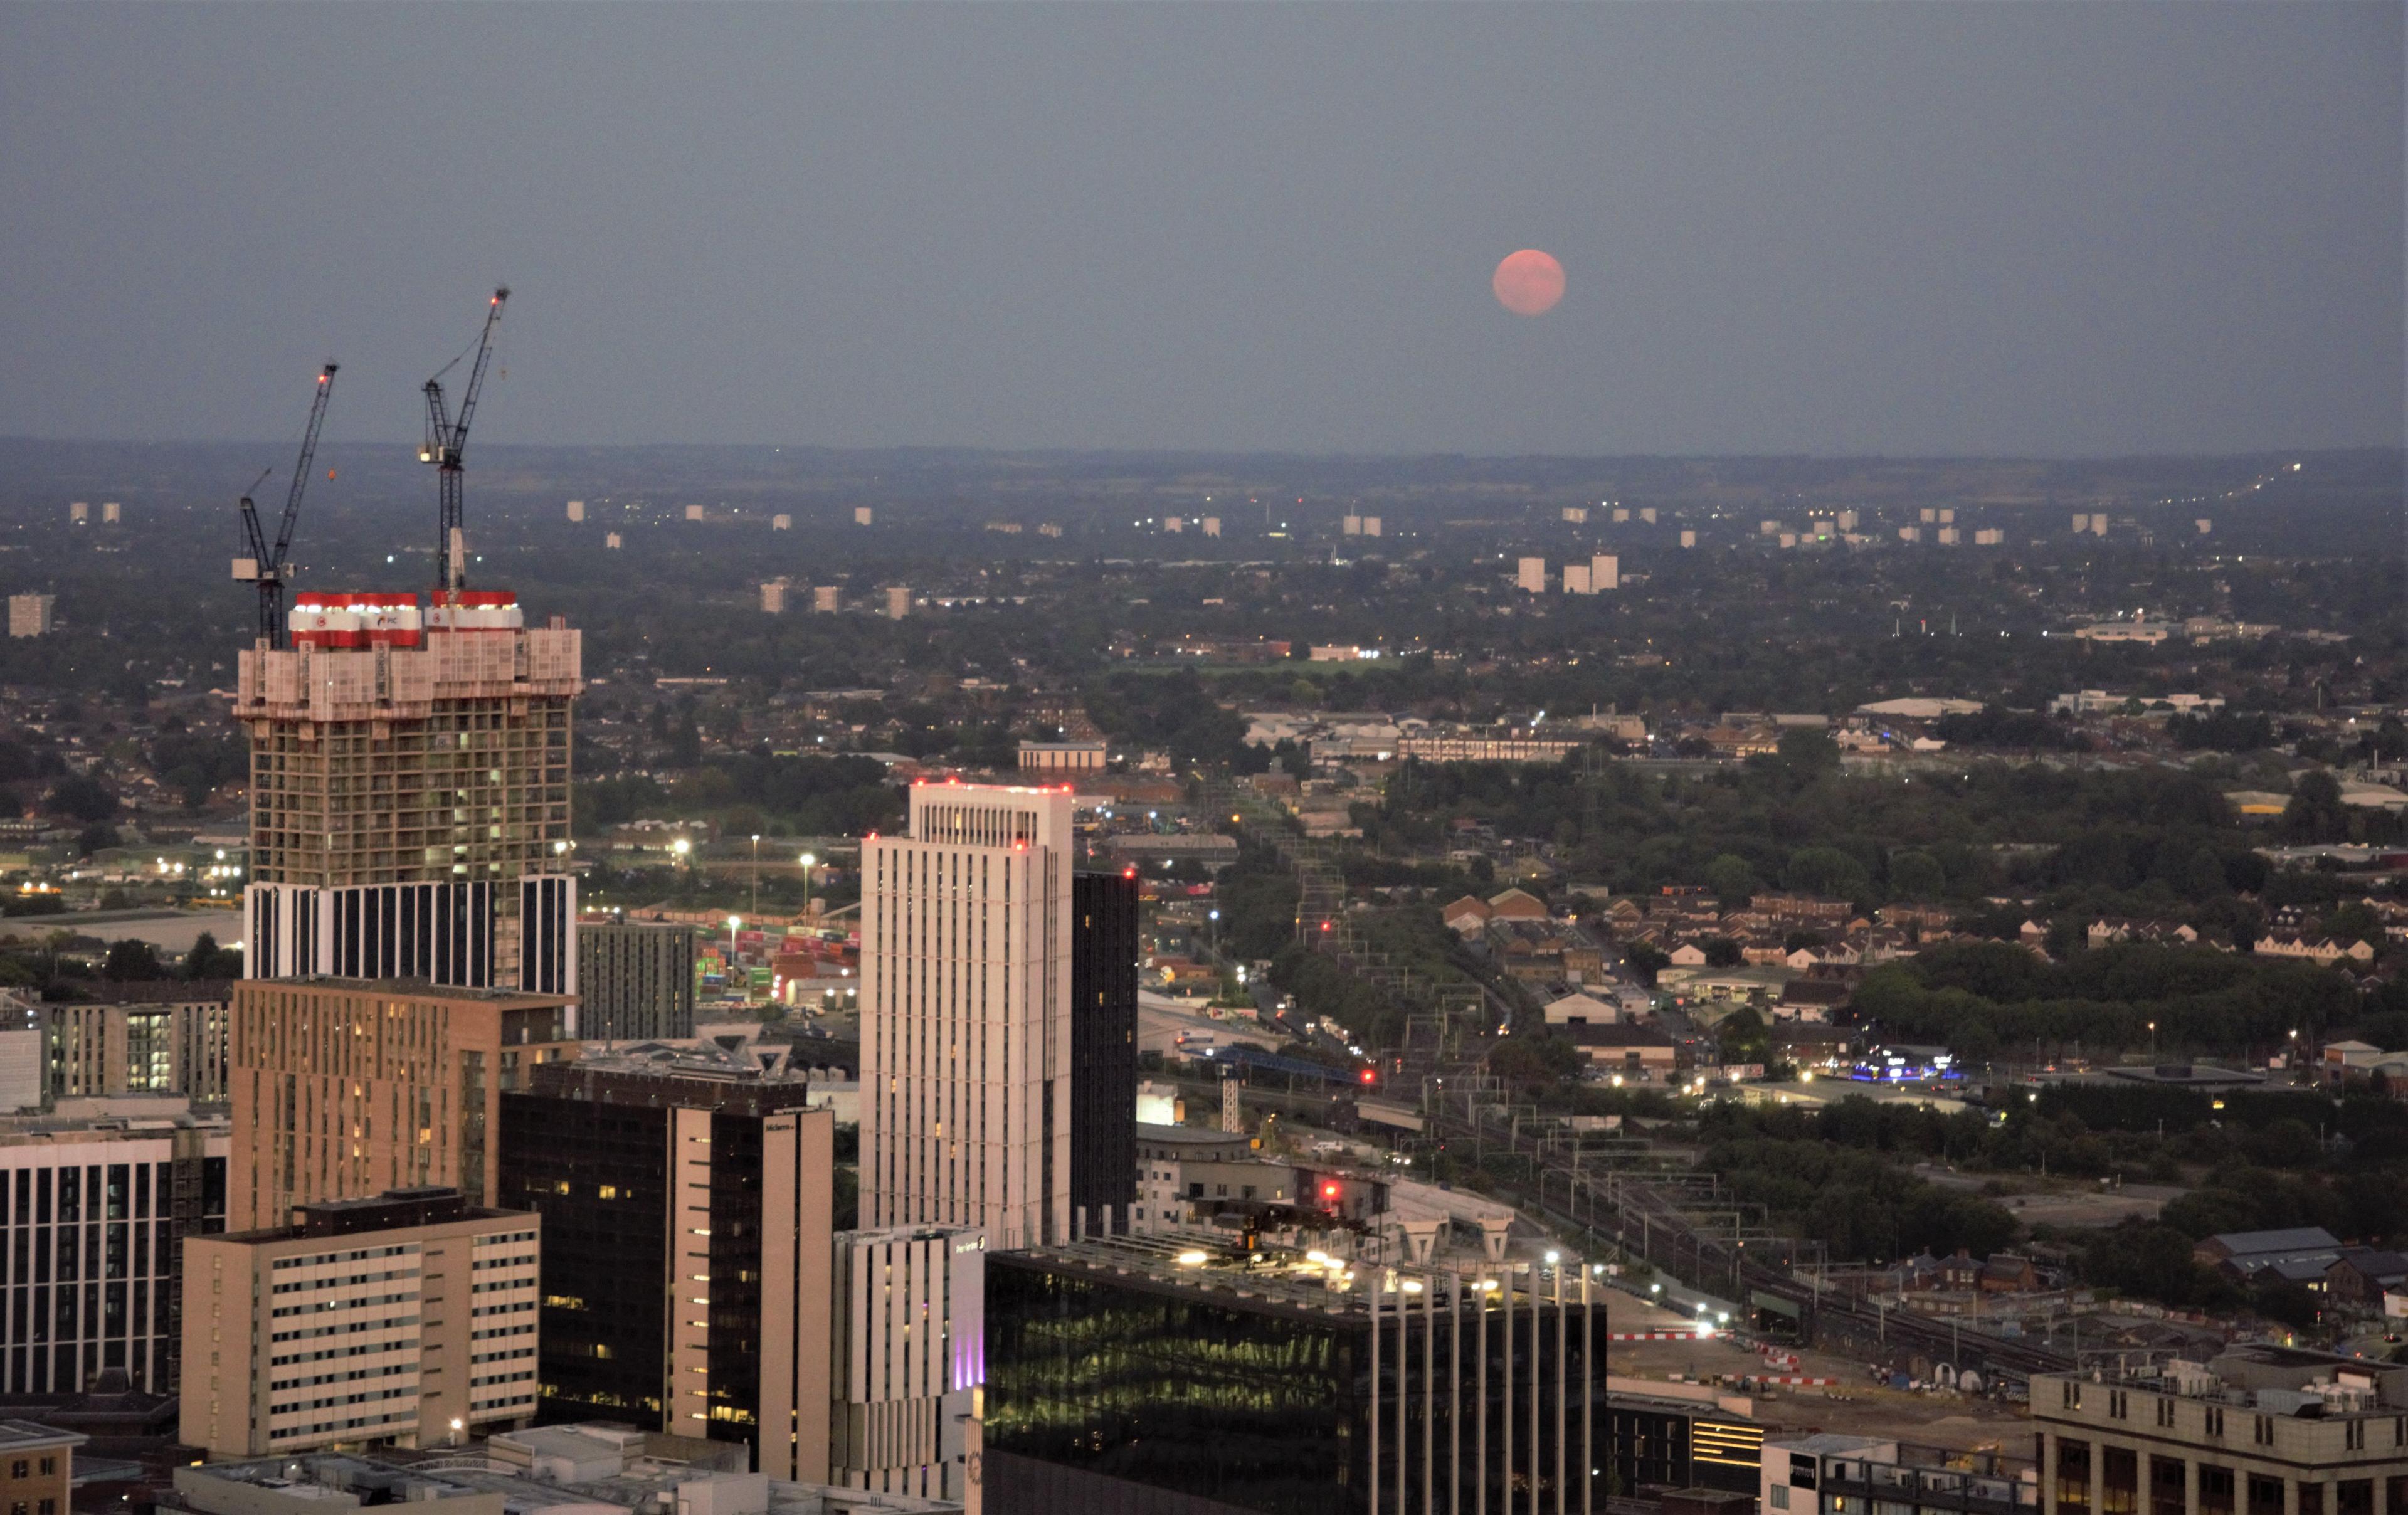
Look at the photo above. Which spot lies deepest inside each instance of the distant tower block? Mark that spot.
(1947, 518)
(1766, 528)
(694, 512)
(1232, 1121)
(80, 513)
(1787, 538)
(2204, 525)
(1647, 514)
(111, 512)
(2082, 522)
(1989, 536)
(1530, 575)
(1948, 537)
(1847, 521)
(1604, 573)
(1176, 525)
(781, 522)
(1931, 516)
(1351, 526)
(611, 540)
(1576, 580)
(1370, 525)
(1909, 534)
(32, 615)
(1211, 526)
(861, 515)
(1621, 516)
(1821, 529)
(826, 599)
(1576, 514)
(773, 597)
(1688, 538)
(577, 510)
(1054, 528)
(2099, 524)
(898, 602)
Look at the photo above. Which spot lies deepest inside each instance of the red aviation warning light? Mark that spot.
(1370, 1076)
(1329, 1189)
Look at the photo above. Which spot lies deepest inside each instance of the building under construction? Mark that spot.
(409, 793)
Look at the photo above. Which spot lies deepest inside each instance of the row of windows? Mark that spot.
(2212, 1419)
(316, 1259)
(393, 1323)
(292, 1433)
(343, 1282)
(364, 1302)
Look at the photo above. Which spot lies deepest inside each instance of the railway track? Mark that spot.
(1651, 1221)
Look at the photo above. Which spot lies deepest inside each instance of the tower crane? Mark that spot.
(267, 566)
(446, 439)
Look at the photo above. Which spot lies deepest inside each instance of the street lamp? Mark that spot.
(808, 861)
(756, 905)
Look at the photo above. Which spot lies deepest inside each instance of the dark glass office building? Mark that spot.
(1103, 1047)
(1261, 1389)
(685, 1274)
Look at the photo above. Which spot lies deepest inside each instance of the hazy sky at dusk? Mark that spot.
(1830, 228)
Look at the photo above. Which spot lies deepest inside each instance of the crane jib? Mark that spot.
(447, 441)
(268, 562)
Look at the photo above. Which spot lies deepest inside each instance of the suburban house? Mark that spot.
(1517, 905)
(1467, 916)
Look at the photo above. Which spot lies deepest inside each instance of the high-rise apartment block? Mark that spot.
(24, 1052)
(344, 1089)
(688, 1208)
(1530, 575)
(637, 979)
(32, 615)
(910, 1350)
(93, 1222)
(1104, 950)
(169, 1046)
(966, 1024)
(406, 1317)
(409, 793)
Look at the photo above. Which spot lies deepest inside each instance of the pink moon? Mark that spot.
(1528, 283)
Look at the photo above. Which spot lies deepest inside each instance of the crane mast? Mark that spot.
(268, 565)
(446, 439)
